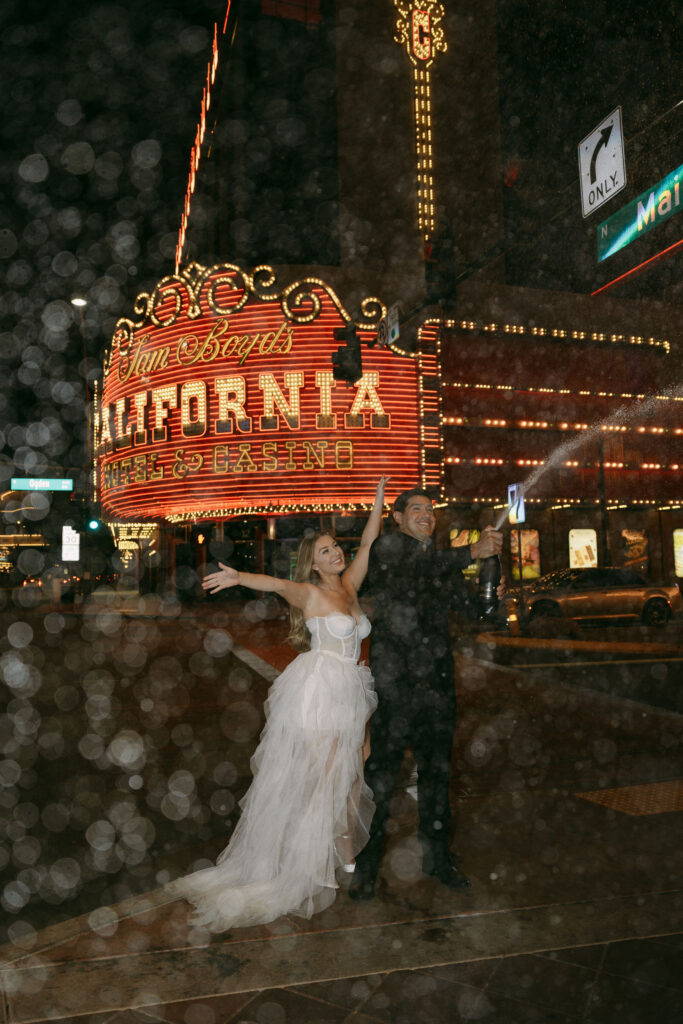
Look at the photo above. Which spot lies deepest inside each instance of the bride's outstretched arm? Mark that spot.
(356, 572)
(226, 576)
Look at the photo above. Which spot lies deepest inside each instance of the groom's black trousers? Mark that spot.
(417, 709)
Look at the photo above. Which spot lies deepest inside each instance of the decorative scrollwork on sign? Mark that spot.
(373, 310)
(191, 281)
(140, 306)
(263, 278)
(300, 300)
(301, 304)
(169, 287)
(236, 279)
(123, 337)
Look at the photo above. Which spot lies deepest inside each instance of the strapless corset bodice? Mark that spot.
(338, 634)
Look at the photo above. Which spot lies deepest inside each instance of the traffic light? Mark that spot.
(91, 522)
(346, 361)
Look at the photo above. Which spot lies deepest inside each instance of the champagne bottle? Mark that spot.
(490, 572)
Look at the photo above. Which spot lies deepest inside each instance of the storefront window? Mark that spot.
(531, 554)
(678, 552)
(634, 549)
(583, 549)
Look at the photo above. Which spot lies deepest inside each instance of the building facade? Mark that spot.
(356, 156)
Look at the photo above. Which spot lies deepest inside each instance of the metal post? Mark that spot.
(552, 534)
(604, 522)
(519, 555)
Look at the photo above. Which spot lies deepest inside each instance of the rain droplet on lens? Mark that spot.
(222, 802)
(26, 851)
(91, 746)
(199, 1013)
(101, 835)
(182, 735)
(55, 817)
(78, 158)
(34, 168)
(225, 774)
(8, 243)
(239, 680)
(22, 934)
(67, 698)
(104, 921)
(15, 895)
(20, 634)
(127, 749)
(147, 153)
(181, 782)
(217, 643)
(69, 112)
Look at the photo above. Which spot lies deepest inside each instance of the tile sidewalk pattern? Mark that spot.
(650, 798)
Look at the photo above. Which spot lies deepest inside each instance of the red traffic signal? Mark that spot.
(346, 361)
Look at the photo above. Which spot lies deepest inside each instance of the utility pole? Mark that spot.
(604, 521)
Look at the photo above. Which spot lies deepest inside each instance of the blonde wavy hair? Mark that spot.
(299, 636)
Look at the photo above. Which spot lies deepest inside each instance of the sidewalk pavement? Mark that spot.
(569, 815)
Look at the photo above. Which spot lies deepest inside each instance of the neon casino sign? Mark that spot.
(220, 401)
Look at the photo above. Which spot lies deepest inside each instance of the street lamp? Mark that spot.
(80, 303)
(604, 514)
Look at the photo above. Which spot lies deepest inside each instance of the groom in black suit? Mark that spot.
(413, 587)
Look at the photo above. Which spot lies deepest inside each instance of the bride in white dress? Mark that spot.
(308, 810)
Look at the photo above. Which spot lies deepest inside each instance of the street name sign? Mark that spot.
(647, 211)
(39, 483)
(602, 168)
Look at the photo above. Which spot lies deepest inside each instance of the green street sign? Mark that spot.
(40, 483)
(640, 216)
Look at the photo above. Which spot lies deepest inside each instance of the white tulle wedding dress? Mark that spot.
(308, 810)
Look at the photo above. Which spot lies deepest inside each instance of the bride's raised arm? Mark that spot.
(356, 572)
(295, 594)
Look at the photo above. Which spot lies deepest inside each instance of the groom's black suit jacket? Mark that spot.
(413, 588)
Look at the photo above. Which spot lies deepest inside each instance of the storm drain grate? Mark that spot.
(648, 798)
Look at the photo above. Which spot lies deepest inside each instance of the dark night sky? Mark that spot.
(100, 106)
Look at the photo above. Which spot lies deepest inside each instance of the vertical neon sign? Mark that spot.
(195, 154)
(418, 29)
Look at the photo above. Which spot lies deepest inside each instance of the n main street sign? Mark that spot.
(602, 169)
(637, 218)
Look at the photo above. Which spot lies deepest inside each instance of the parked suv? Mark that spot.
(598, 594)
